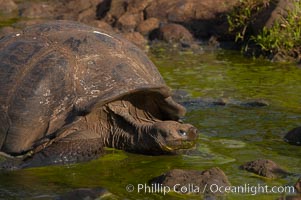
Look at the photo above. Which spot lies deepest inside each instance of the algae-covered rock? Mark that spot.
(265, 168)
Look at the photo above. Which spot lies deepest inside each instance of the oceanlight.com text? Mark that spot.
(212, 188)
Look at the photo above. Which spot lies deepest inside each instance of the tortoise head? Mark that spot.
(169, 136)
(147, 122)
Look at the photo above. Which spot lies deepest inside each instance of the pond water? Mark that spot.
(230, 135)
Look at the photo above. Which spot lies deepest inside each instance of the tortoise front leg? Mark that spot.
(77, 147)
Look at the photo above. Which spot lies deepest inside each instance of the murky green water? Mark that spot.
(229, 135)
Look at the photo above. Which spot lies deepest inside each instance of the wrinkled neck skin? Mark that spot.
(128, 128)
(123, 131)
(137, 139)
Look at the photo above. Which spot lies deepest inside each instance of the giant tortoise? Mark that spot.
(67, 90)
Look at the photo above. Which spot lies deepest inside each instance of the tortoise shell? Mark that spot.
(48, 77)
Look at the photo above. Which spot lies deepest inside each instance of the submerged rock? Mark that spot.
(298, 185)
(195, 181)
(255, 103)
(207, 102)
(265, 168)
(294, 136)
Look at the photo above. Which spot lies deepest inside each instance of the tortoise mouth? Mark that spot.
(173, 147)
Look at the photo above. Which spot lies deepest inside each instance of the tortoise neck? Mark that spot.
(120, 133)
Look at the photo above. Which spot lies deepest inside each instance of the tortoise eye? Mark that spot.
(182, 133)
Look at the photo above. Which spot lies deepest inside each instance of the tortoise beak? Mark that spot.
(174, 147)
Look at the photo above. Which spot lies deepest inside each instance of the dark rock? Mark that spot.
(294, 136)
(143, 16)
(116, 10)
(84, 193)
(220, 102)
(101, 24)
(102, 8)
(192, 179)
(136, 38)
(205, 102)
(298, 185)
(275, 11)
(37, 10)
(79, 10)
(7, 6)
(147, 26)
(213, 42)
(133, 15)
(173, 33)
(125, 15)
(255, 103)
(197, 103)
(81, 5)
(176, 10)
(129, 21)
(136, 6)
(265, 168)
(87, 15)
(203, 17)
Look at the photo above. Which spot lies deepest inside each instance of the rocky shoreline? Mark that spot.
(184, 23)
(140, 21)
(181, 22)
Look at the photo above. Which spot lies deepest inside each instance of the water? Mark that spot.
(229, 135)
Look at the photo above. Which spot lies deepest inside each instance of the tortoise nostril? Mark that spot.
(192, 132)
